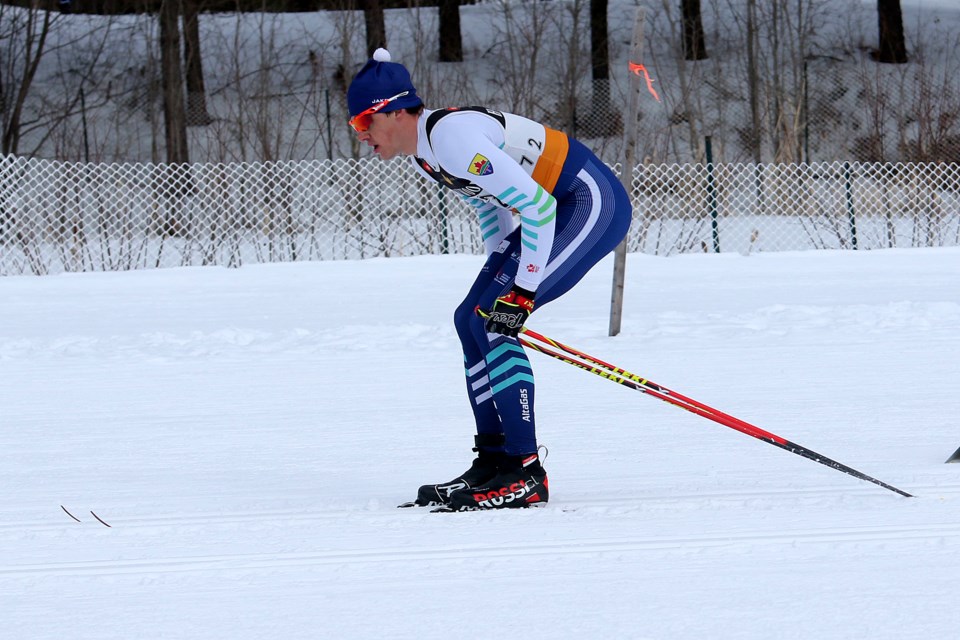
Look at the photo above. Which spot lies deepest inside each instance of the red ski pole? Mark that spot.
(603, 369)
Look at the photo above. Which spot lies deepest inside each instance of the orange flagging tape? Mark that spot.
(638, 69)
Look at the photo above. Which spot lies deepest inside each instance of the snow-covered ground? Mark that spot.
(247, 434)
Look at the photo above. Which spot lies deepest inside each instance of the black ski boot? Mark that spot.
(521, 482)
(485, 466)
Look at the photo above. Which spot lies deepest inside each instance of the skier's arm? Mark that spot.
(495, 223)
(479, 160)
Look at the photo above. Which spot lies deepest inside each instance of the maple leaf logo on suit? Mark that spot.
(480, 166)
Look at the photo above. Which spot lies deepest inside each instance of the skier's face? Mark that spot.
(384, 134)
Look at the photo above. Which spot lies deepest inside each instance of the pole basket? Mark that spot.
(955, 457)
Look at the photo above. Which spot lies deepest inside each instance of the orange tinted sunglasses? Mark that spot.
(361, 121)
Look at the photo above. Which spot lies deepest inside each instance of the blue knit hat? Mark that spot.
(378, 80)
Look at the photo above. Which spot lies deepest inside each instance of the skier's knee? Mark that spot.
(464, 319)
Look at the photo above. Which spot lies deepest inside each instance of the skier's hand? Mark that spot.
(509, 312)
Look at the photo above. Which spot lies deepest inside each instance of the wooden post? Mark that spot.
(628, 161)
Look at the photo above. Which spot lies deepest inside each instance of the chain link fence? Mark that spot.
(63, 216)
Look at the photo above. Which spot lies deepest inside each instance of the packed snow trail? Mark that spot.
(248, 444)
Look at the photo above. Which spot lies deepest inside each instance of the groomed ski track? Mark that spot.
(247, 445)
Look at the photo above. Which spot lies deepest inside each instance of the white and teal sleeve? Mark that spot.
(495, 223)
(538, 218)
(479, 160)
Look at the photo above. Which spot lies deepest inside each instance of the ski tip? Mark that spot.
(414, 503)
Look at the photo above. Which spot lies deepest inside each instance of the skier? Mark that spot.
(572, 211)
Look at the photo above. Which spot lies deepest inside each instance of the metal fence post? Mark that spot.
(444, 225)
(848, 186)
(326, 95)
(712, 196)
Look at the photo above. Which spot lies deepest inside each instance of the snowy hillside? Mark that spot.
(275, 82)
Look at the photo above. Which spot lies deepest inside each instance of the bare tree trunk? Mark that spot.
(174, 111)
(603, 121)
(599, 50)
(193, 61)
(376, 27)
(892, 48)
(694, 44)
(175, 180)
(774, 89)
(451, 39)
(36, 30)
(753, 81)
